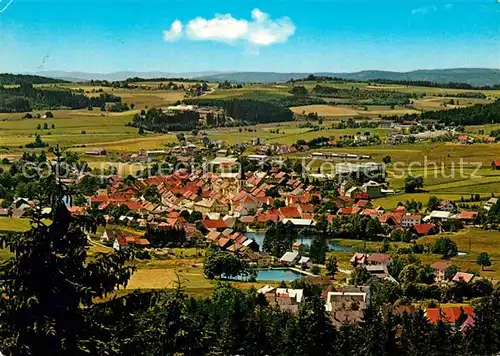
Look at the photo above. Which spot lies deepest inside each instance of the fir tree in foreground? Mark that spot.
(50, 283)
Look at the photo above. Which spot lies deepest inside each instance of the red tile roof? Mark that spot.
(440, 266)
(466, 277)
(423, 229)
(214, 224)
(223, 242)
(378, 258)
(362, 195)
(346, 211)
(213, 235)
(136, 240)
(306, 208)
(362, 203)
(289, 212)
(99, 199)
(74, 210)
(268, 217)
(247, 219)
(448, 314)
(370, 212)
(388, 217)
(411, 218)
(467, 215)
(496, 163)
(133, 205)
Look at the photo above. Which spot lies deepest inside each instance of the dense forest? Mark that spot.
(250, 111)
(17, 79)
(158, 121)
(473, 115)
(424, 83)
(374, 97)
(25, 98)
(322, 78)
(268, 97)
(125, 83)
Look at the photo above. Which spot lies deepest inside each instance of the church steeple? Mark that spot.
(241, 177)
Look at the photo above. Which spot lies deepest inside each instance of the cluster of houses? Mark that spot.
(377, 264)
(256, 198)
(236, 243)
(428, 129)
(296, 257)
(347, 304)
(202, 111)
(422, 224)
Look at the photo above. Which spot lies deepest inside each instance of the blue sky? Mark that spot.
(287, 35)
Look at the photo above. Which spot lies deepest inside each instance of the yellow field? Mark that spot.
(431, 91)
(11, 224)
(474, 241)
(342, 111)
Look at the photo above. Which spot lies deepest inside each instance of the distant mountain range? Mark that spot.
(472, 76)
(115, 76)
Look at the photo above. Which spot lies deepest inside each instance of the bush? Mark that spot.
(143, 255)
(315, 270)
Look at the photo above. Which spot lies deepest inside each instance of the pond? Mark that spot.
(271, 275)
(280, 274)
(259, 238)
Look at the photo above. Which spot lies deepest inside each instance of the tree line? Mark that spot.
(478, 114)
(25, 98)
(125, 83)
(18, 79)
(373, 97)
(158, 121)
(249, 111)
(473, 115)
(425, 83)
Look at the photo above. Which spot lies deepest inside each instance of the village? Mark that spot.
(220, 206)
(249, 178)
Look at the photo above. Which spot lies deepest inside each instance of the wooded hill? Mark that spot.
(16, 79)
(25, 97)
(473, 115)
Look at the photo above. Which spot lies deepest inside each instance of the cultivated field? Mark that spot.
(346, 111)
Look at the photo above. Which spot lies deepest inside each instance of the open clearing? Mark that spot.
(342, 111)
(474, 241)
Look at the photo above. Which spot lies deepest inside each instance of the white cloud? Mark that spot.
(224, 28)
(424, 10)
(174, 33)
(259, 16)
(264, 32)
(260, 31)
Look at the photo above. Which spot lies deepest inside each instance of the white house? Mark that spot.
(440, 215)
(305, 262)
(409, 220)
(290, 258)
(447, 206)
